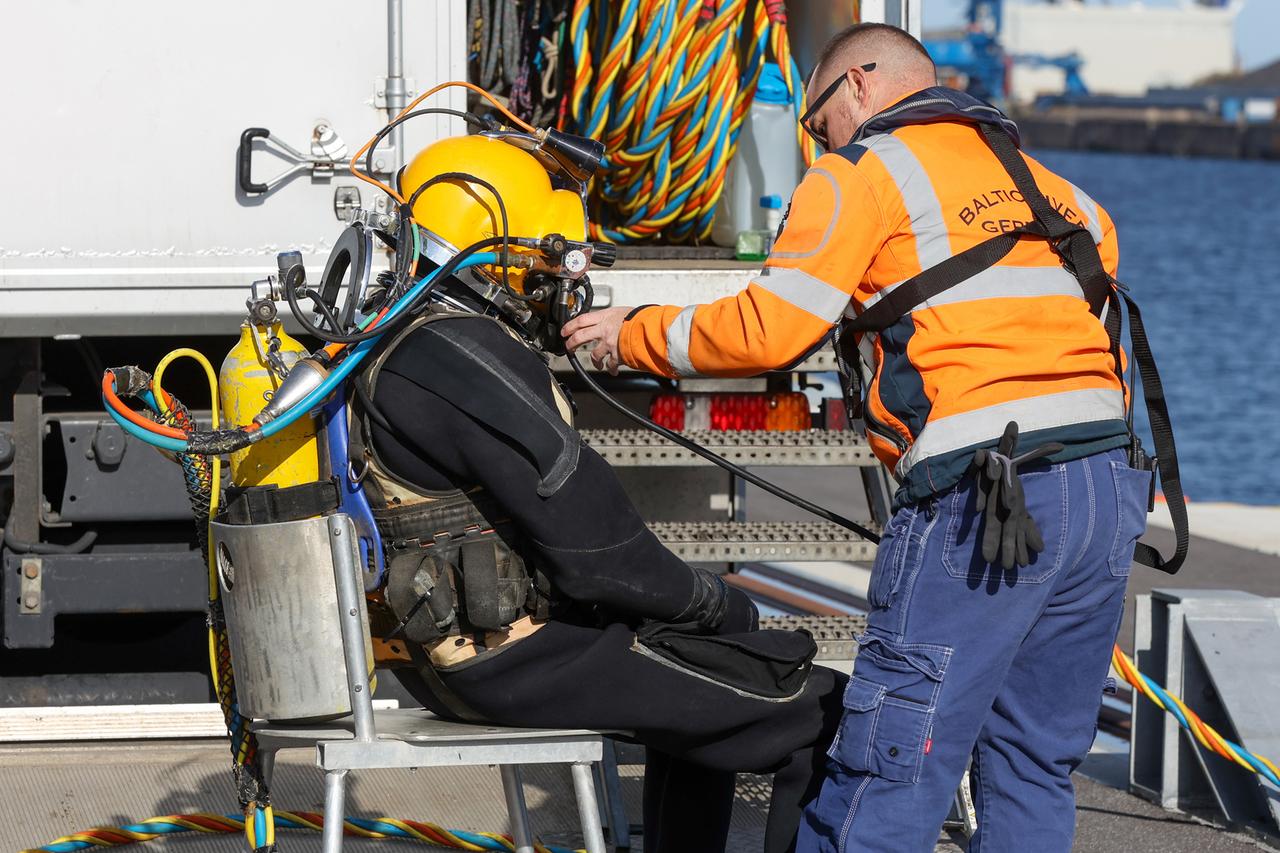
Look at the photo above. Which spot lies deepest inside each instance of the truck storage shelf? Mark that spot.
(822, 361)
(751, 541)
(833, 634)
(633, 448)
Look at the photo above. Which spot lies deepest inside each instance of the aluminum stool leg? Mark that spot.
(335, 782)
(588, 810)
(517, 812)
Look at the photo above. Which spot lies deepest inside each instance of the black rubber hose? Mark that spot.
(375, 414)
(502, 210)
(77, 547)
(405, 316)
(715, 458)
(323, 308)
(470, 118)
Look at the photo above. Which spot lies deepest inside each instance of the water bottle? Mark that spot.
(767, 163)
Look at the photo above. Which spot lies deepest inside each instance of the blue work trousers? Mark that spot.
(963, 660)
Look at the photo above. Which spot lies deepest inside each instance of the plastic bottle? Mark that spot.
(772, 205)
(755, 244)
(767, 162)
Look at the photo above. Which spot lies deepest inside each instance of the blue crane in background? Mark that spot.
(982, 59)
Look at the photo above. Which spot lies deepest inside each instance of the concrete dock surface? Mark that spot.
(53, 790)
(1254, 528)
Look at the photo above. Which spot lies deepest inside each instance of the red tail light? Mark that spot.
(785, 411)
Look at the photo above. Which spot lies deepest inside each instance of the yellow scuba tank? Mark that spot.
(245, 384)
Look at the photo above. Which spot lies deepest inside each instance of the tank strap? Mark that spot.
(271, 504)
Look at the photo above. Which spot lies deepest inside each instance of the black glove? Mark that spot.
(741, 615)
(709, 603)
(1008, 531)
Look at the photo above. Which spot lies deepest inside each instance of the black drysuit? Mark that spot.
(580, 669)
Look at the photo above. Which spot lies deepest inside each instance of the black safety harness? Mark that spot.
(1079, 253)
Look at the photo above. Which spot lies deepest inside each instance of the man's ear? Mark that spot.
(860, 86)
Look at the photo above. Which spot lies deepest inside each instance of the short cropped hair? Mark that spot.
(896, 39)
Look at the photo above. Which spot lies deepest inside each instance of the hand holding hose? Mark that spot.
(604, 329)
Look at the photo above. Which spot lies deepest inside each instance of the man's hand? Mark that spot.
(601, 328)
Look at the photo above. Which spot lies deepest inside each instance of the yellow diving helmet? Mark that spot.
(461, 208)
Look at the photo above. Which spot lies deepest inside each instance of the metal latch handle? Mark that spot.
(300, 162)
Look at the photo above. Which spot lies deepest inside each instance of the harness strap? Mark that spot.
(848, 366)
(1075, 244)
(453, 515)
(480, 588)
(1166, 451)
(1071, 240)
(919, 289)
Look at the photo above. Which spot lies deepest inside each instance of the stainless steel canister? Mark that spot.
(278, 591)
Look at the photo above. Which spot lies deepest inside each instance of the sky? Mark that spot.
(1257, 27)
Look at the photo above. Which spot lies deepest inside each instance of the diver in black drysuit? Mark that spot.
(609, 574)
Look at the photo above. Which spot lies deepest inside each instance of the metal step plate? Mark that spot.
(745, 542)
(833, 634)
(642, 448)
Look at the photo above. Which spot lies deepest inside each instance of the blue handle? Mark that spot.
(351, 496)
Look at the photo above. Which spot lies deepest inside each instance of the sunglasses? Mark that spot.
(817, 137)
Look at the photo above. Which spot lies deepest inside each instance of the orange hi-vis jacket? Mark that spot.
(1016, 342)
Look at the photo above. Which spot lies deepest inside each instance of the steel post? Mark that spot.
(588, 811)
(396, 95)
(517, 811)
(335, 783)
(350, 601)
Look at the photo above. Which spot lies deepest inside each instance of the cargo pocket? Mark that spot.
(889, 708)
(1046, 495)
(1133, 491)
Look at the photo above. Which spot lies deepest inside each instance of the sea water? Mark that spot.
(1200, 251)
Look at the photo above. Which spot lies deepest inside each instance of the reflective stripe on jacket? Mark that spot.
(1015, 342)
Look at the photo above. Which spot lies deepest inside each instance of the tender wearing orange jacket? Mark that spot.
(1016, 342)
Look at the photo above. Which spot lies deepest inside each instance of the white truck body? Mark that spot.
(129, 234)
(124, 137)
(124, 141)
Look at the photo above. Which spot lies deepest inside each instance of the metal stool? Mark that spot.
(416, 738)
